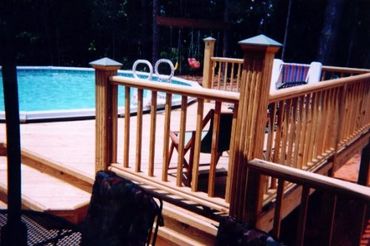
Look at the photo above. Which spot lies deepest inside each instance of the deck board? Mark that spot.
(45, 191)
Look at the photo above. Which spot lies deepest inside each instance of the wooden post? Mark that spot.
(106, 113)
(246, 186)
(364, 173)
(209, 47)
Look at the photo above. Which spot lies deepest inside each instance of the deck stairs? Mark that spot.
(49, 187)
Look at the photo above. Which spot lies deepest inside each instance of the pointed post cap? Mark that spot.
(106, 64)
(209, 39)
(260, 42)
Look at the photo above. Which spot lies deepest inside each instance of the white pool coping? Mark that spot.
(74, 114)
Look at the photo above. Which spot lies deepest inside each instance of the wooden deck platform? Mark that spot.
(70, 145)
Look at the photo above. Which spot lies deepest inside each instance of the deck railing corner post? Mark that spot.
(247, 186)
(209, 47)
(105, 112)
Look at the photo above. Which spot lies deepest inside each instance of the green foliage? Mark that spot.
(66, 32)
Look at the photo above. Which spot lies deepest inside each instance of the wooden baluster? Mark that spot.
(364, 221)
(322, 131)
(231, 157)
(126, 139)
(139, 130)
(338, 132)
(279, 128)
(166, 136)
(278, 206)
(226, 66)
(356, 107)
(363, 174)
(232, 86)
(326, 114)
(292, 129)
(299, 132)
(270, 138)
(328, 211)
(239, 76)
(153, 121)
(180, 162)
(219, 75)
(214, 64)
(313, 117)
(198, 136)
(285, 132)
(302, 145)
(317, 134)
(271, 128)
(309, 105)
(214, 150)
(302, 215)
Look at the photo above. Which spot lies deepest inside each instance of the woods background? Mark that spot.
(73, 33)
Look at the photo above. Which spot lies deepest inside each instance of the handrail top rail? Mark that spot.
(345, 69)
(313, 180)
(226, 59)
(297, 91)
(212, 94)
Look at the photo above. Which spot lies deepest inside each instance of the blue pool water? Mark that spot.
(52, 93)
(58, 89)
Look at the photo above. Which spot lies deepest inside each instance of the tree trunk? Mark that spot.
(353, 33)
(155, 42)
(286, 30)
(226, 39)
(329, 32)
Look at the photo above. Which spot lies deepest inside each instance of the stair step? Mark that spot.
(43, 192)
(183, 227)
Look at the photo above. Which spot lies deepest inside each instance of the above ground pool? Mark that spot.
(51, 93)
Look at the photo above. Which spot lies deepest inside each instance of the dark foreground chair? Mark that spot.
(234, 233)
(120, 213)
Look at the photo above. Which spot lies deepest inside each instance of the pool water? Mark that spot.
(59, 89)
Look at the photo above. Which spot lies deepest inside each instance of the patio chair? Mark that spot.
(206, 141)
(286, 75)
(120, 213)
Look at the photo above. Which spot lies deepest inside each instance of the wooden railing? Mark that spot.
(144, 133)
(309, 125)
(308, 181)
(332, 72)
(226, 73)
(301, 127)
(219, 72)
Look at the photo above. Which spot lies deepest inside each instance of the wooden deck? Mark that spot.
(72, 144)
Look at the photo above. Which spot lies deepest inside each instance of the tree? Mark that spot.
(286, 30)
(155, 30)
(329, 32)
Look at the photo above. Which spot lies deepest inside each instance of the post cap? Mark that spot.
(260, 40)
(209, 39)
(105, 62)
